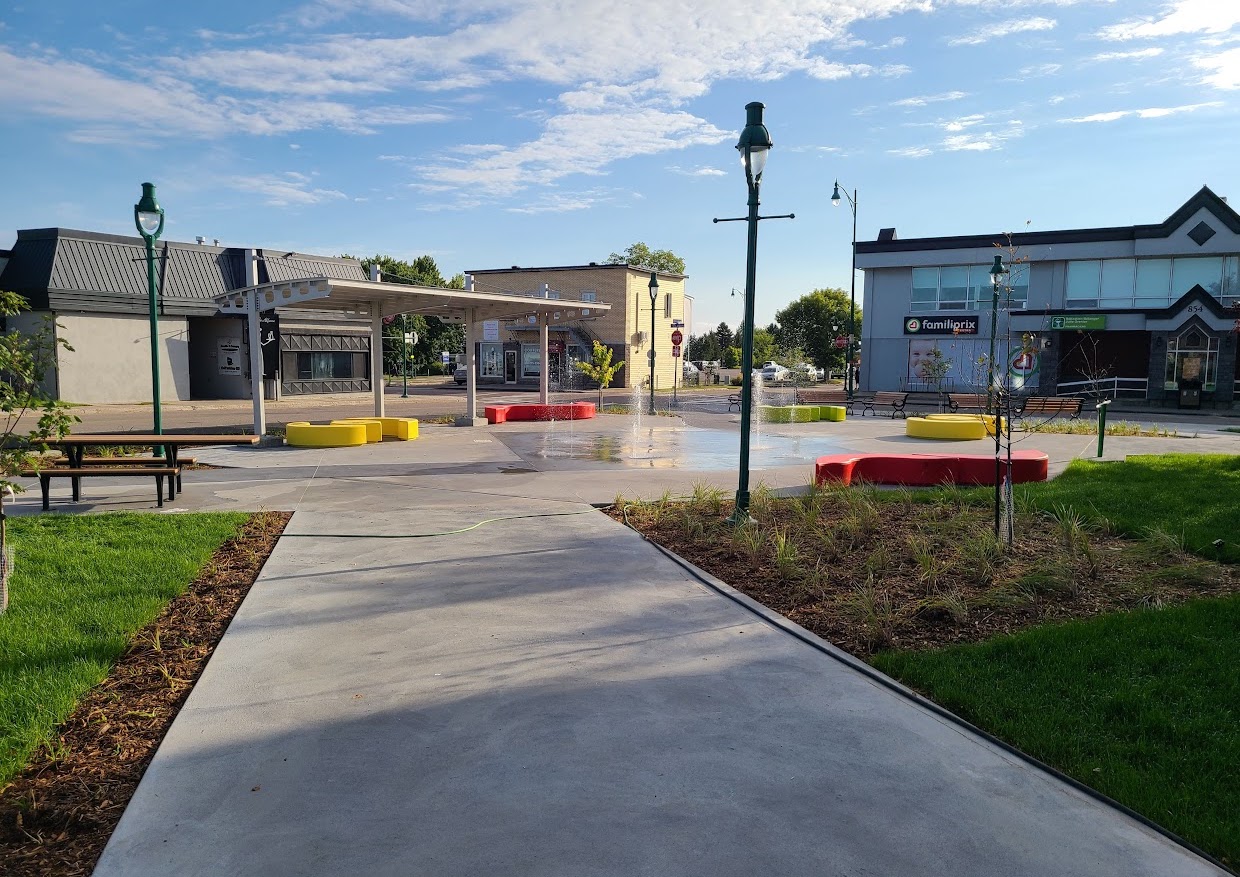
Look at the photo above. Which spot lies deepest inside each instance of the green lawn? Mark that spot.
(1143, 706)
(1193, 495)
(81, 587)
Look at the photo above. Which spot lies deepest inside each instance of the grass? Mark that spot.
(1194, 496)
(81, 587)
(1142, 706)
(1086, 426)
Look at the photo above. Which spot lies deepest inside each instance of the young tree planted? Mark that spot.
(600, 368)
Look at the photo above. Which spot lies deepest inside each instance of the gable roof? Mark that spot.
(1204, 197)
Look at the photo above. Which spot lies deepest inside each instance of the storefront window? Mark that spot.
(326, 365)
(492, 360)
(1206, 272)
(1192, 356)
(531, 361)
(1084, 283)
(1153, 283)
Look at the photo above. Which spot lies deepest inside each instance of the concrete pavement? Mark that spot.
(547, 694)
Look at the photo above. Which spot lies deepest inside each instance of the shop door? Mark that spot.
(510, 366)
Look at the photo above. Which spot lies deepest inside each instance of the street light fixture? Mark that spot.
(852, 296)
(997, 272)
(654, 295)
(148, 216)
(754, 146)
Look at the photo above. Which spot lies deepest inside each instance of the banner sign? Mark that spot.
(1079, 322)
(228, 351)
(269, 338)
(940, 325)
(490, 330)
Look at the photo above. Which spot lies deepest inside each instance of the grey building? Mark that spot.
(1142, 312)
(95, 287)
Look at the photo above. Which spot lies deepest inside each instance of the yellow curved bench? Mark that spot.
(374, 427)
(960, 430)
(403, 428)
(988, 419)
(300, 434)
(833, 413)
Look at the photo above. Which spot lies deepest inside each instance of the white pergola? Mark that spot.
(376, 300)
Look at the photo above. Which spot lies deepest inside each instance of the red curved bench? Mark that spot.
(927, 470)
(537, 411)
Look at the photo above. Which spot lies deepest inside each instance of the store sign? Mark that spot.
(940, 325)
(269, 339)
(1079, 322)
(490, 330)
(228, 351)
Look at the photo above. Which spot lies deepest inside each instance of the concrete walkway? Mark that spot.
(547, 694)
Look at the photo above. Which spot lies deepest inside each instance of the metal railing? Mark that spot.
(1098, 388)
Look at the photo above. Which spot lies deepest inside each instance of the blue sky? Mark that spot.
(491, 133)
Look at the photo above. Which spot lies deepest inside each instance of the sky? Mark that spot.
(490, 133)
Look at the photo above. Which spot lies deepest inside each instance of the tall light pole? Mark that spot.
(992, 402)
(148, 216)
(852, 295)
(654, 295)
(754, 145)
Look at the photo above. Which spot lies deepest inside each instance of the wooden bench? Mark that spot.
(135, 461)
(45, 477)
(882, 399)
(824, 397)
(975, 401)
(1052, 405)
(734, 399)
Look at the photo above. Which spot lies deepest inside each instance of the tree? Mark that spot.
(434, 335)
(813, 322)
(32, 416)
(642, 256)
(703, 348)
(600, 368)
(725, 336)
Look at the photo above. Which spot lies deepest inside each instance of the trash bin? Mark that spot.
(1190, 394)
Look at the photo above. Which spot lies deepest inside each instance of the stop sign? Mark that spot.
(677, 337)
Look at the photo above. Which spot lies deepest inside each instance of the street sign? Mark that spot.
(678, 324)
(676, 350)
(409, 339)
(444, 358)
(677, 337)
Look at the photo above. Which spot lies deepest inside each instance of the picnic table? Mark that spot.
(74, 448)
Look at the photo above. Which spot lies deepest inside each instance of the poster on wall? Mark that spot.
(1023, 369)
(229, 354)
(269, 338)
(490, 330)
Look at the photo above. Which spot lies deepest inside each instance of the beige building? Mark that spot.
(509, 351)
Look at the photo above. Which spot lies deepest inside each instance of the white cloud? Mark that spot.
(1180, 17)
(698, 171)
(911, 152)
(963, 122)
(1224, 69)
(1147, 113)
(1003, 29)
(1138, 54)
(290, 189)
(925, 99)
(1035, 70)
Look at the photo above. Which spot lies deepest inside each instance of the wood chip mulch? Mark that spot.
(57, 816)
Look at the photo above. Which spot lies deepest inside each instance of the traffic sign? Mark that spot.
(676, 350)
(444, 357)
(677, 336)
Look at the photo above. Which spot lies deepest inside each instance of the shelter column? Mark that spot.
(376, 354)
(471, 367)
(544, 370)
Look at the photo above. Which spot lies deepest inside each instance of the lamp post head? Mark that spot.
(997, 270)
(835, 196)
(755, 143)
(148, 216)
(654, 287)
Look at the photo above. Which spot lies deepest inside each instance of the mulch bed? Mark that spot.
(856, 580)
(56, 817)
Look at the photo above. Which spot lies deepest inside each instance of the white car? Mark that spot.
(690, 369)
(773, 371)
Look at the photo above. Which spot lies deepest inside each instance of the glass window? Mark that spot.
(589, 295)
(981, 290)
(1231, 281)
(552, 293)
(1118, 281)
(953, 287)
(1153, 283)
(667, 305)
(1018, 295)
(1192, 356)
(1204, 271)
(531, 361)
(925, 289)
(492, 360)
(1084, 278)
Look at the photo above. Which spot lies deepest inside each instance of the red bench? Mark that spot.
(537, 411)
(927, 470)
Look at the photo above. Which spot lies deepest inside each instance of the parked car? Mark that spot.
(460, 374)
(690, 369)
(773, 371)
(806, 372)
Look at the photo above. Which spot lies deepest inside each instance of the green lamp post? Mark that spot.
(148, 216)
(654, 295)
(852, 296)
(997, 270)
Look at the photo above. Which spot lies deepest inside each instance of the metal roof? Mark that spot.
(358, 297)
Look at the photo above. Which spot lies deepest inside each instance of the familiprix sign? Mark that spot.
(940, 325)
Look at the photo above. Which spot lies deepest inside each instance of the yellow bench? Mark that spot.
(300, 434)
(403, 428)
(987, 419)
(374, 427)
(960, 430)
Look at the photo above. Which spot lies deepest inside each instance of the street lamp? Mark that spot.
(852, 296)
(754, 145)
(654, 294)
(997, 270)
(148, 216)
